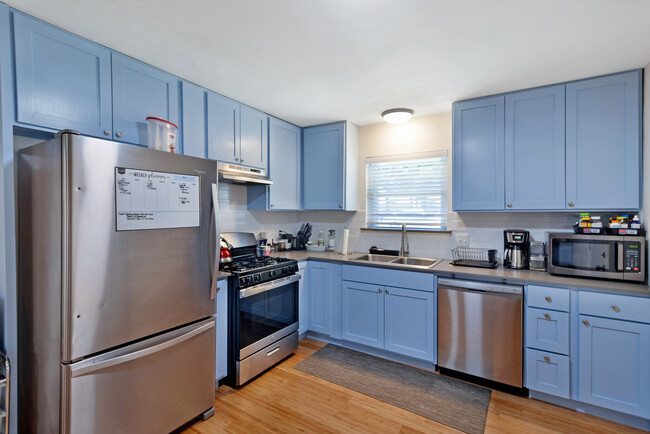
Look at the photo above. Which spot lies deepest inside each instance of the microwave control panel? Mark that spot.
(632, 256)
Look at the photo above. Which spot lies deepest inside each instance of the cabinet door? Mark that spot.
(614, 360)
(603, 142)
(223, 128)
(319, 298)
(534, 149)
(323, 166)
(303, 299)
(254, 138)
(140, 90)
(284, 165)
(478, 151)
(409, 324)
(363, 313)
(222, 330)
(62, 81)
(194, 125)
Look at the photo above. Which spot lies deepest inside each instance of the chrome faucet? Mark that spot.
(403, 251)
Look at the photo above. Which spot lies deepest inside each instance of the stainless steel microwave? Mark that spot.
(597, 256)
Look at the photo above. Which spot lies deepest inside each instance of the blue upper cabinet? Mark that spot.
(478, 154)
(193, 131)
(62, 81)
(140, 90)
(330, 166)
(254, 145)
(603, 142)
(534, 149)
(285, 162)
(223, 128)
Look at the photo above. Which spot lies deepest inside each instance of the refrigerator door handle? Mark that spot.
(89, 366)
(214, 265)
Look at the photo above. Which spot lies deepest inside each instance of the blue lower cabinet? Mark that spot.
(548, 373)
(222, 330)
(363, 313)
(139, 91)
(62, 81)
(547, 330)
(409, 322)
(325, 298)
(614, 365)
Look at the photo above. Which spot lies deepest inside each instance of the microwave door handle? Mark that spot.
(619, 256)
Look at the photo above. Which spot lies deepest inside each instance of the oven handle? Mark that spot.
(267, 286)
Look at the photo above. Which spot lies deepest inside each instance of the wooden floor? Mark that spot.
(287, 400)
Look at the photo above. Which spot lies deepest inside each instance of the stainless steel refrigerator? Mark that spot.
(116, 295)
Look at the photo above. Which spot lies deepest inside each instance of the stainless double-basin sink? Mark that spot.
(398, 260)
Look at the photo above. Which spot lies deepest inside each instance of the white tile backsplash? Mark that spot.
(485, 229)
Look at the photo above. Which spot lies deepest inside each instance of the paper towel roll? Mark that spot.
(344, 241)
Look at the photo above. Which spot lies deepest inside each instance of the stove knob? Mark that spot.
(249, 280)
(272, 273)
(257, 277)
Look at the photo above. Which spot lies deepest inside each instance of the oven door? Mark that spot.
(596, 256)
(266, 313)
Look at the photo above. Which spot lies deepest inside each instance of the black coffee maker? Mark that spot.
(516, 249)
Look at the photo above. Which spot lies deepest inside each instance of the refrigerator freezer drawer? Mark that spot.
(155, 385)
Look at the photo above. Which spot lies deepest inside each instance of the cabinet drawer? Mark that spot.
(383, 276)
(615, 306)
(548, 298)
(547, 330)
(548, 373)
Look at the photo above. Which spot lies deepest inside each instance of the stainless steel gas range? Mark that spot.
(263, 308)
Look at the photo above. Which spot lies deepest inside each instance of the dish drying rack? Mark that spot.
(474, 257)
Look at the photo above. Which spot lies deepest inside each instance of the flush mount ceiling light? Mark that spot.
(397, 115)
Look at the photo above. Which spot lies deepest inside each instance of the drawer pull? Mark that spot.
(549, 299)
(273, 351)
(547, 316)
(585, 322)
(615, 308)
(547, 359)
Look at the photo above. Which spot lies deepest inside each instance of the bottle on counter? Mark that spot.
(331, 241)
(321, 239)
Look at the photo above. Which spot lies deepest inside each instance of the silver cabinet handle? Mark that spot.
(547, 359)
(386, 291)
(241, 160)
(571, 204)
(118, 134)
(585, 322)
(509, 205)
(547, 298)
(379, 290)
(615, 308)
(340, 205)
(272, 205)
(236, 159)
(107, 132)
(547, 316)
(218, 288)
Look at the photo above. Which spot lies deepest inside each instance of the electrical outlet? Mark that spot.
(462, 240)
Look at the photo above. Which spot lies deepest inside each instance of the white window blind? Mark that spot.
(409, 189)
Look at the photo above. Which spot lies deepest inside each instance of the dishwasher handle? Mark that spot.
(472, 285)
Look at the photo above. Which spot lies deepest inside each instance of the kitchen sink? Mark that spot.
(398, 260)
(375, 258)
(418, 262)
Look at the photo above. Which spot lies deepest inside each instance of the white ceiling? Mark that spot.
(315, 61)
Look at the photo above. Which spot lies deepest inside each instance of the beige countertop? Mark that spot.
(445, 268)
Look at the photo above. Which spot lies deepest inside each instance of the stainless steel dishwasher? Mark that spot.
(480, 329)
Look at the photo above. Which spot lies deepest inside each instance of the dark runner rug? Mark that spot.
(451, 402)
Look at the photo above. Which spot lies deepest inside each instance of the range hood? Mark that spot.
(235, 174)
